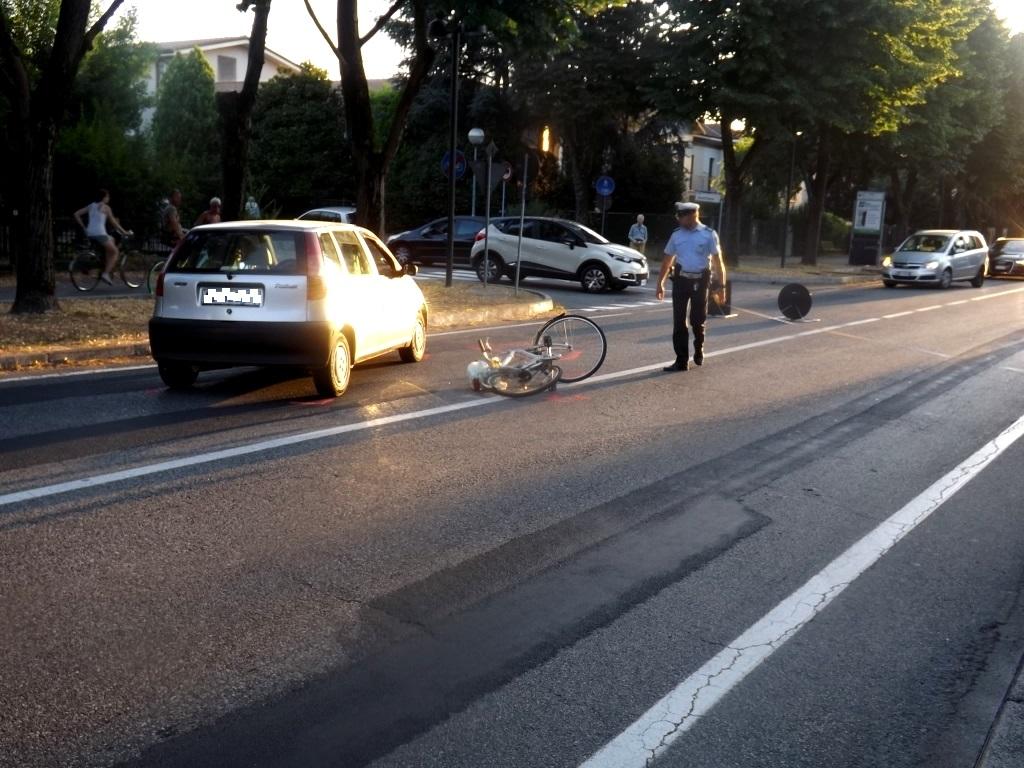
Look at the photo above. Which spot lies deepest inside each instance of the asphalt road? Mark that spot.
(807, 552)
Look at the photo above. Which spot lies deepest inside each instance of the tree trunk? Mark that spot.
(235, 111)
(36, 290)
(817, 191)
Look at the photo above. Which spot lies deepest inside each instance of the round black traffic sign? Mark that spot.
(794, 301)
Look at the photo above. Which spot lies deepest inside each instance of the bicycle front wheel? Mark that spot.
(153, 274)
(85, 269)
(578, 342)
(516, 382)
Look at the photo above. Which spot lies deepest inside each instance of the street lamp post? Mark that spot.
(476, 138)
(453, 30)
(789, 195)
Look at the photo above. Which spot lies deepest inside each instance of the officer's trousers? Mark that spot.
(692, 293)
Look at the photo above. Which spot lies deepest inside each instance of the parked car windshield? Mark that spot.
(925, 243)
(1010, 246)
(241, 251)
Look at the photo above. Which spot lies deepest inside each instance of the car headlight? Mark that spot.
(932, 265)
(623, 259)
(887, 261)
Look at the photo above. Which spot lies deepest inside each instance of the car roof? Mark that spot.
(332, 209)
(278, 224)
(946, 232)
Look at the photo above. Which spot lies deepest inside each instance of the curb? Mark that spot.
(1004, 746)
(440, 319)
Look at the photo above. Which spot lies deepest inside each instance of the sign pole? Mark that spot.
(522, 218)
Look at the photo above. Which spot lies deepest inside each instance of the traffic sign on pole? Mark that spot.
(460, 163)
(604, 185)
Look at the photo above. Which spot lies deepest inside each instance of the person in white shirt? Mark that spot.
(95, 227)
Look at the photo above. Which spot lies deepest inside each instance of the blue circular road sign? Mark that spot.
(460, 163)
(604, 185)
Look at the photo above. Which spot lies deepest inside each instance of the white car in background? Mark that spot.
(308, 294)
(937, 257)
(557, 249)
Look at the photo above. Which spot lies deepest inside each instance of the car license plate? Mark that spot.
(232, 296)
(901, 273)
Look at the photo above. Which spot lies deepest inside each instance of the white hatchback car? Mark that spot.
(291, 293)
(937, 257)
(558, 249)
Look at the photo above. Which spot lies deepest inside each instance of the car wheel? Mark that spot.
(594, 278)
(177, 375)
(979, 279)
(403, 255)
(494, 265)
(332, 380)
(889, 283)
(946, 279)
(418, 346)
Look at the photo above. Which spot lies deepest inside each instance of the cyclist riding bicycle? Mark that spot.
(99, 213)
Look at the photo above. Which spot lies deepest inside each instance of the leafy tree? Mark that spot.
(539, 21)
(304, 111)
(830, 67)
(40, 55)
(185, 137)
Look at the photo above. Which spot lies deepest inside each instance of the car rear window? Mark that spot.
(249, 250)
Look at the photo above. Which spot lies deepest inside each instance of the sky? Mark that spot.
(291, 32)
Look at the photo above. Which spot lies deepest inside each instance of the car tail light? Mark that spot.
(480, 235)
(316, 288)
(159, 290)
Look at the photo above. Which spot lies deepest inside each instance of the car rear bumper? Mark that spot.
(220, 343)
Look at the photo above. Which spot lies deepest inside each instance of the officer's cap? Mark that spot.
(682, 208)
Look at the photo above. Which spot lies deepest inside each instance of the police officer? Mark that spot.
(694, 257)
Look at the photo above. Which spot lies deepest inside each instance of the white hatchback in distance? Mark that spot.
(309, 294)
(937, 257)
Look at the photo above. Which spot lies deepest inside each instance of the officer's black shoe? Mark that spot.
(698, 357)
(678, 365)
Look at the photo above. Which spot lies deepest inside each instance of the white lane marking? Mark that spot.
(678, 711)
(244, 450)
(91, 372)
(898, 314)
(929, 309)
(113, 477)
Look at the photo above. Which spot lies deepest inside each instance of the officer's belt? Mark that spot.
(692, 275)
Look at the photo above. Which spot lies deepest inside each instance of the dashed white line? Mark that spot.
(674, 714)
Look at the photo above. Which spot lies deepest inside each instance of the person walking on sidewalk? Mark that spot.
(638, 235)
(694, 257)
(99, 213)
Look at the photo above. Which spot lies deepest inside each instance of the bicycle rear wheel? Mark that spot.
(133, 268)
(516, 382)
(152, 275)
(579, 343)
(84, 269)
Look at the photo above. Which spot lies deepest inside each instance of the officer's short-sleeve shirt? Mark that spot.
(693, 248)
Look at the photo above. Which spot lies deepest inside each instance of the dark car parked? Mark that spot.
(1006, 257)
(429, 244)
